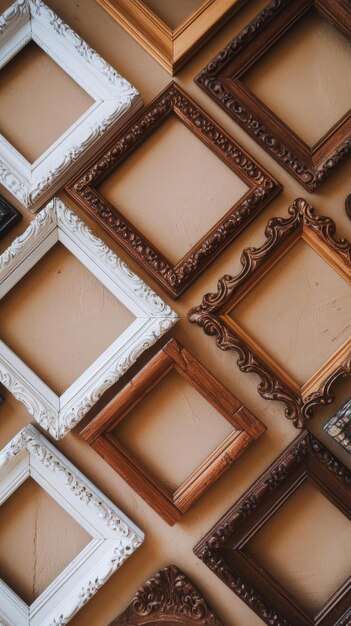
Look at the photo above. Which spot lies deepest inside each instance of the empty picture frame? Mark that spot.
(339, 426)
(153, 317)
(262, 188)
(223, 547)
(171, 505)
(9, 216)
(115, 100)
(222, 81)
(213, 314)
(167, 598)
(171, 47)
(114, 537)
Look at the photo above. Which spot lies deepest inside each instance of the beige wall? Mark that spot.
(49, 319)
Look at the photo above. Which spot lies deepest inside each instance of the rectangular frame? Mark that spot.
(339, 426)
(221, 80)
(99, 433)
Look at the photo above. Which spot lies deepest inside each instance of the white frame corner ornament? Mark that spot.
(113, 536)
(115, 100)
(153, 318)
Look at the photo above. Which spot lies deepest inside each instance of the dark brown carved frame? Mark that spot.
(262, 189)
(213, 313)
(9, 216)
(221, 79)
(168, 598)
(172, 505)
(223, 548)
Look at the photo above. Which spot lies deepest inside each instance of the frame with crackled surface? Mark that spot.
(262, 188)
(215, 313)
(222, 80)
(114, 537)
(339, 426)
(115, 100)
(223, 547)
(172, 504)
(153, 317)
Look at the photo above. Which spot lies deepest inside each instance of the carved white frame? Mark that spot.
(114, 100)
(153, 317)
(114, 536)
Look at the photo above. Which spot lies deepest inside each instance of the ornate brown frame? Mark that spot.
(262, 189)
(221, 80)
(223, 548)
(9, 216)
(172, 48)
(213, 313)
(339, 426)
(168, 598)
(172, 505)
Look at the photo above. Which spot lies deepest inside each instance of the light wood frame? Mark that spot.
(223, 547)
(99, 433)
(213, 315)
(114, 537)
(262, 188)
(222, 81)
(9, 217)
(172, 48)
(339, 426)
(153, 318)
(115, 100)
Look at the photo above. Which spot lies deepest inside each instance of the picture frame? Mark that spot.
(223, 547)
(114, 536)
(170, 47)
(339, 426)
(174, 278)
(212, 315)
(172, 504)
(168, 597)
(221, 80)
(153, 317)
(115, 100)
(9, 217)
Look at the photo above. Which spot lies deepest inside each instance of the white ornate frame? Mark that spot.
(57, 223)
(115, 100)
(114, 536)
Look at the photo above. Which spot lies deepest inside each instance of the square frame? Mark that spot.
(223, 547)
(339, 426)
(221, 80)
(172, 48)
(114, 536)
(9, 217)
(213, 313)
(262, 188)
(171, 505)
(115, 100)
(57, 223)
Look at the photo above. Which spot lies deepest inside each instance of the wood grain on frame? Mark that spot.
(262, 188)
(221, 80)
(172, 48)
(223, 548)
(213, 313)
(99, 433)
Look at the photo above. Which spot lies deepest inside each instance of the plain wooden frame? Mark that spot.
(223, 547)
(172, 48)
(99, 433)
(213, 314)
(174, 278)
(221, 80)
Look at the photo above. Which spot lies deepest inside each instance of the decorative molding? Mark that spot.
(221, 79)
(262, 188)
(339, 426)
(212, 314)
(348, 206)
(115, 100)
(167, 598)
(223, 547)
(9, 216)
(172, 48)
(171, 505)
(153, 317)
(114, 536)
